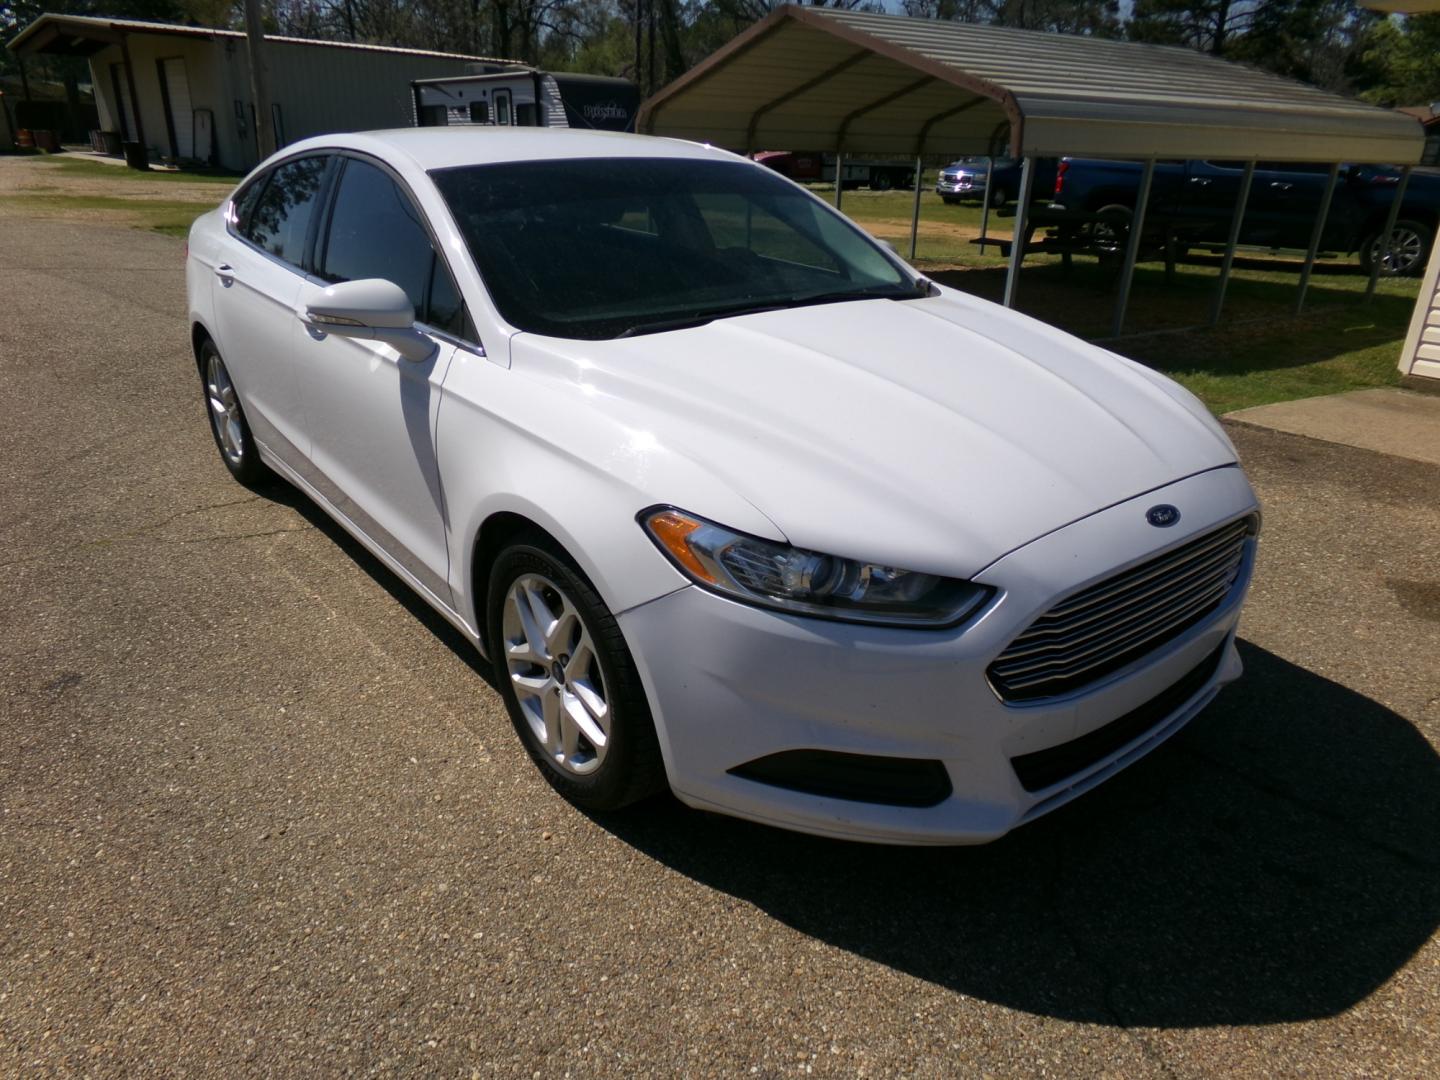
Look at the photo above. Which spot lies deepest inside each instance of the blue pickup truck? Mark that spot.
(1196, 200)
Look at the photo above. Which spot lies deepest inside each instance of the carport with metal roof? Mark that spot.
(858, 83)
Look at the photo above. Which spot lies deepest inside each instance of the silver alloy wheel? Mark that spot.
(224, 410)
(1407, 247)
(556, 674)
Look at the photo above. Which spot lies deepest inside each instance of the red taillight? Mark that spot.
(1385, 178)
(1060, 177)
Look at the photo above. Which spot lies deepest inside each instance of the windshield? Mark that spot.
(608, 247)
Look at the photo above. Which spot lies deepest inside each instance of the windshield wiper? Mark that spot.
(701, 318)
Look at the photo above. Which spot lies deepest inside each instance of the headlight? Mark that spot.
(805, 582)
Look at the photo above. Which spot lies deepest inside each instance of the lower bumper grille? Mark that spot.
(1045, 768)
(1100, 630)
(859, 777)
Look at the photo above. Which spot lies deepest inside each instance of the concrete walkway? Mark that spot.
(1396, 422)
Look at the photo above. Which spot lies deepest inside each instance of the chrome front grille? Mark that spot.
(1100, 630)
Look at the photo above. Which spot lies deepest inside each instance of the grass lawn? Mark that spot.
(1260, 353)
(73, 166)
(171, 217)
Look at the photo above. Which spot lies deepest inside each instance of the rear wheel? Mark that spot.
(1110, 229)
(1404, 256)
(568, 680)
(227, 420)
(880, 180)
(999, 197)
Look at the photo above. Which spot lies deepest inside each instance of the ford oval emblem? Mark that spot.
(1162, 516)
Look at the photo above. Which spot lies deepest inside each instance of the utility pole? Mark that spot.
(259, 92)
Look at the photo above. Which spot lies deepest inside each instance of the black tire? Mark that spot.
(999, 197)
(950, 200)
(1110, 230)
(880, 180)
(631, 767)
(240, 456)
(1411, 249)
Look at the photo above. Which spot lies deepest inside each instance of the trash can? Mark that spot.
(136, 157)
(110, 141)
(47, 140)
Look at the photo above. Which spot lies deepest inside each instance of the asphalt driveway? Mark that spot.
(261, 813)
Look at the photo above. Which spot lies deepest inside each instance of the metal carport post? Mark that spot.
(1132, 248)
(1017, 241)
(1315, 237)
(985, 201)
(915, 212)
(1383, 251)
(1237, 219)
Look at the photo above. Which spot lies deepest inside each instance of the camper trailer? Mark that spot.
(527, 97)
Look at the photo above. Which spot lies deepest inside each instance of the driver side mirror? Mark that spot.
(372, 309)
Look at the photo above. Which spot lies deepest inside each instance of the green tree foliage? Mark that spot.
(1400, 61)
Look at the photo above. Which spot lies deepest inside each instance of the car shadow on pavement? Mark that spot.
(1276, 861)
(279, 491)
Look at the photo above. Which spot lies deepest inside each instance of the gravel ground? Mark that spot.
(260, 812)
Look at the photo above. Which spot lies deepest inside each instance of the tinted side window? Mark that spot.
(243, 205)
(281, 217)
(375, 232)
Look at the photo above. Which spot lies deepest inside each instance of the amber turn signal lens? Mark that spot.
(672, 529)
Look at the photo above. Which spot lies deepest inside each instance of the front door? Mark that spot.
(371, 413)
(257, 284)
(503, 107)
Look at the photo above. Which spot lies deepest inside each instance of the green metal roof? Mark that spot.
(821, 79)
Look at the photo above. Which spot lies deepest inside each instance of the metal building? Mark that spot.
(184, 91)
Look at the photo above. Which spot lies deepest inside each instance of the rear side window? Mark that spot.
(376, 232)
(280, 219)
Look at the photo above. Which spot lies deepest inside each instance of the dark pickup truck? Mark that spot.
(1196, 200)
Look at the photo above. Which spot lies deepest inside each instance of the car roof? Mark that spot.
(481, 144)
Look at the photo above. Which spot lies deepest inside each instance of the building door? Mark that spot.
(175, 91)
(502, 107)
(121, 85)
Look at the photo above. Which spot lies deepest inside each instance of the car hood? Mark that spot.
(935, 434)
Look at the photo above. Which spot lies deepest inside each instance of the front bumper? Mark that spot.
(729, 684)
(965, 185)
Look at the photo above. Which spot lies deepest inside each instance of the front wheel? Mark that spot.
(568, 680)
(1405, 255)
(999, 197)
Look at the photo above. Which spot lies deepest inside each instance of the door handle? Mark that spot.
(1202, 181)
(225, 272)
(1278, 186)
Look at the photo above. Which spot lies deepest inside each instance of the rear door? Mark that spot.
(1207, 195)
(371, 414)
(257, 282)
(1285, 202)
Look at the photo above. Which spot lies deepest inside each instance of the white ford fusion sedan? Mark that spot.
(733, 500)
